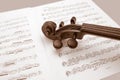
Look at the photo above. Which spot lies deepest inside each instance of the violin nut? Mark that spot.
(72, 43)
(57, 44)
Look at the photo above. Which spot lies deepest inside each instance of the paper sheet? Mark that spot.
(113, 77)
(18, 55)
(94, 58)
(26, 54)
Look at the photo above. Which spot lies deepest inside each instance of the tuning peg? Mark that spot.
(57, 44)
(61, 24)
(73, 20)
(72, 43)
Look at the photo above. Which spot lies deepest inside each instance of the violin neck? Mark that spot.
(101, 30)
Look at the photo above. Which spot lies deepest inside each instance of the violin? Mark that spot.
(74, 31)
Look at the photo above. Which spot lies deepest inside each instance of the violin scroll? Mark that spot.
(49, 29)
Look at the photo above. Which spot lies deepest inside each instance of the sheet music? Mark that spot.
(18, 55)
(94, 58)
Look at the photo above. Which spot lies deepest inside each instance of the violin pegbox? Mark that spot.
(72, 42)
